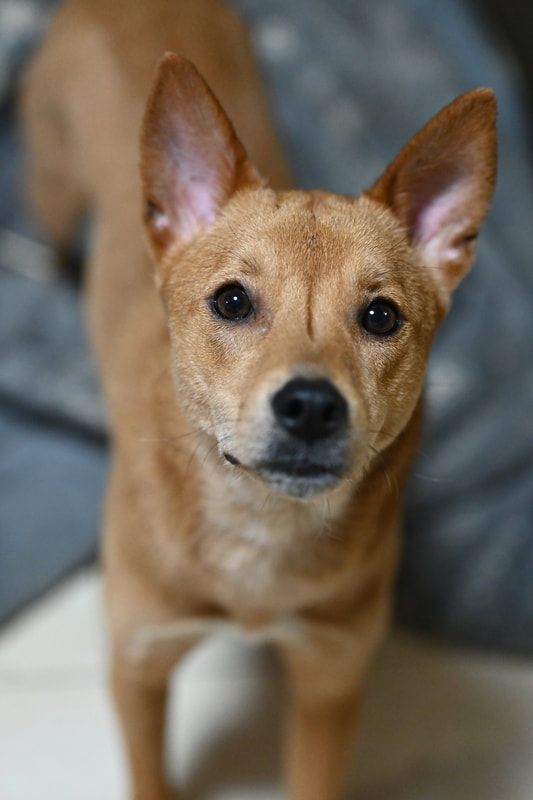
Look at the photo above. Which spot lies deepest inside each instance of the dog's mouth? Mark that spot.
(299, 469)
(297, 477)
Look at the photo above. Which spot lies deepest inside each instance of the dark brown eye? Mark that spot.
(232, 302)
(381, 318)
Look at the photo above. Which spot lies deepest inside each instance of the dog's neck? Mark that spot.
(266, 552)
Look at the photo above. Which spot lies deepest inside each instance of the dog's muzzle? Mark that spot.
(308, 450)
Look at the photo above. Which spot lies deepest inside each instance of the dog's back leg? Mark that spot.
(54, 181)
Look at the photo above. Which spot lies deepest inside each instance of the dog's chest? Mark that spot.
(262, 565)
(253, 556)
(271, 560)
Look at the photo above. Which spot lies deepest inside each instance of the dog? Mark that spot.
(262, 353)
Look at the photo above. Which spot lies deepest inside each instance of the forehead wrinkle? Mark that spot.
(296, 250)
(311, 245)
(323, 251)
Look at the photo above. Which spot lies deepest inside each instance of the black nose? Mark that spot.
(310, 409)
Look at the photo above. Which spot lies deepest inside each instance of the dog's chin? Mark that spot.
(302, 482)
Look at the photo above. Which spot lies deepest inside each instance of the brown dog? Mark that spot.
(264, 400)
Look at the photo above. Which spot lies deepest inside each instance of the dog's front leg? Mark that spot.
(326, 665)
(144, 656)
(141, 708)
(319, 744)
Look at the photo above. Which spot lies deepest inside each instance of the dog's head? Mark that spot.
(301, 322)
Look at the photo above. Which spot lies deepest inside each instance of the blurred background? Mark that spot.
(349, 82)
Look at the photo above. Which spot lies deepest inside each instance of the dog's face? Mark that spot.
(300, 328)
(301, 323)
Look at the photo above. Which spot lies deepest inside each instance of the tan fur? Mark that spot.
(192, 544)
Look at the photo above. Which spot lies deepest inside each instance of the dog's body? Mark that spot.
(293, 554)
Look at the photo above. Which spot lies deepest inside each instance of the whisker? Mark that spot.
(391, 479)
(431, 478)
(265, 501)
(168, 439)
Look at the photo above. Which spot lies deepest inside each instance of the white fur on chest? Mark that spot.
(252, 536)
(250, 565)
(149, 640)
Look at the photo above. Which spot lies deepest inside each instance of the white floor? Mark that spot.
(439, 725)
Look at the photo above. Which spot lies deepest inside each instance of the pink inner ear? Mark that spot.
(200, 199)
(432, 219)
(203, 177)
(441, 226)
(442, 214)
(197, 204)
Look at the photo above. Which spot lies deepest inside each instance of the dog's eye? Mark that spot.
(232, 302)
(381, 318)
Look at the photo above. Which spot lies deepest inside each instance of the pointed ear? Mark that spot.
(191, 158)
(440, 186)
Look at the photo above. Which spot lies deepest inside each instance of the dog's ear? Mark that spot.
(191, 158)
(440, 186)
